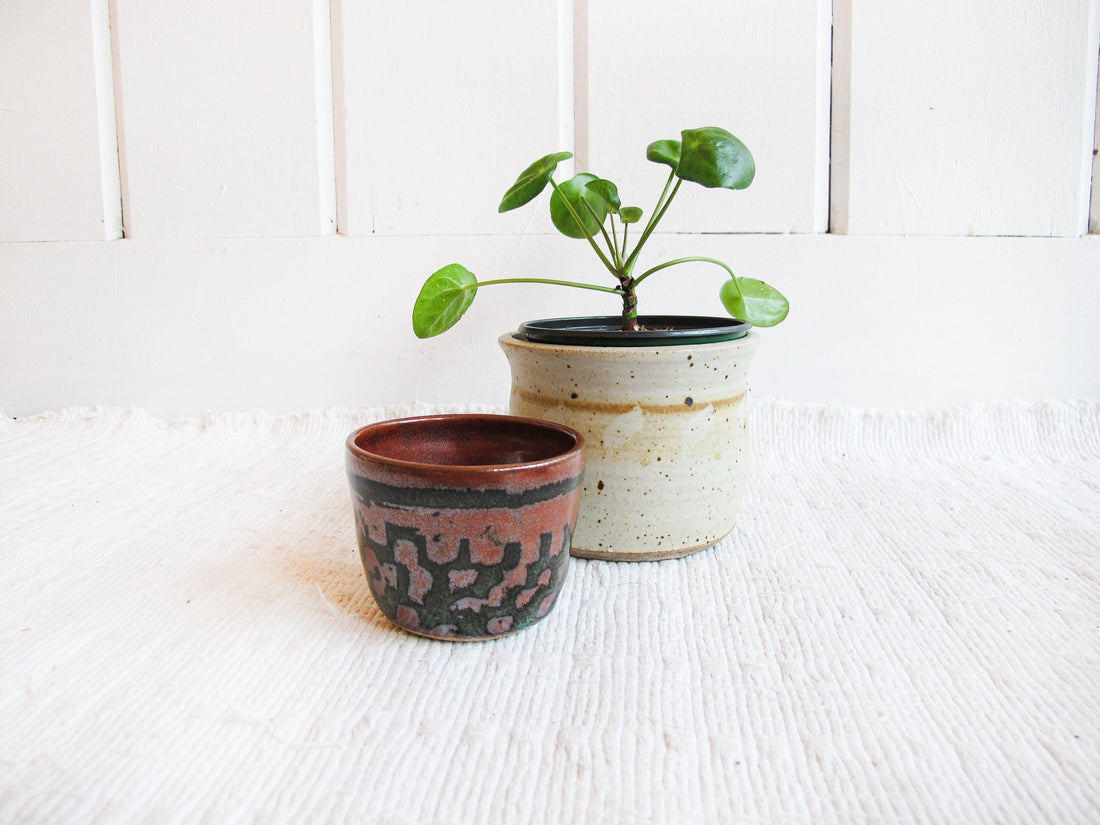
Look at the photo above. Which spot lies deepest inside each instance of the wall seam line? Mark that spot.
(840, 120)
(104, 60)
(324, 91)
(1090, 206)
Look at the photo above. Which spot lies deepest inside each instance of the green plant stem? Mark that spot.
(606, 237)
(658, 212)
(551, 281)
(615, 241)
(667, 264)
(591, 241)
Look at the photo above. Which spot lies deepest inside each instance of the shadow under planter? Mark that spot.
(666, 428)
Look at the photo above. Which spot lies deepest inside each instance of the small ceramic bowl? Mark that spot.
(464, 521)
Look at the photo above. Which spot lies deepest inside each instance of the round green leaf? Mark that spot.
(761, 304)
(714, 158)
(664, 151)
(532, 181)
(574, 191)
(606, 190)
(443, 299)
(630, 214)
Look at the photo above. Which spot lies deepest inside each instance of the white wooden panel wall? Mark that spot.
(654, 69)
(442, 106)
(968, 117)
(219, 119)
(270, 123)
(60, 174)
(293, 323)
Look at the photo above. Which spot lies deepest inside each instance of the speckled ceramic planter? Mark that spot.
(464, 522)
(667, 438)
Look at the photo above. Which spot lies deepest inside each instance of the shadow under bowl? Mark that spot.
(464, 522)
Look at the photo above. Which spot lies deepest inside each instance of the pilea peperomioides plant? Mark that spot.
(588, 207)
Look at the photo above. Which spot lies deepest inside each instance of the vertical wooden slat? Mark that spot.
(106, 119)
(56, 123)
(324, 121)
(840, 145)
(444, 104)
(567, 43)
(339, 112)
(966, 117)
(823, 115)
(1094, 210)
(757, 69)
(1094, 167)
(218, 110)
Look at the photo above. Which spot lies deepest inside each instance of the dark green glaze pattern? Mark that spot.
(439, 610)
(387, 495)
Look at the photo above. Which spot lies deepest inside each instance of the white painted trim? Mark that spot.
(120, 121)
(323, 97)
(1090, 201)
(567, 115)
(103, 68)
(841, 116)
(580, 66)
(822, 138)
(339, 112)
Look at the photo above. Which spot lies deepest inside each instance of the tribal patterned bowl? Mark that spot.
(464, 521)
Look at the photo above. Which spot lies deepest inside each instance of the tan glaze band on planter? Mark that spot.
(667, 435)
(465, 522)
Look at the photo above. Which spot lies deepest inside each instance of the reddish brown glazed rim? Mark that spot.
(468, 421)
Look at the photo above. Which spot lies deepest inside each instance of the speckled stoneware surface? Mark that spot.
(667, 438)
(464, 522)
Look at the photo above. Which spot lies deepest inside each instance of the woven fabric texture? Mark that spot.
(904, 627)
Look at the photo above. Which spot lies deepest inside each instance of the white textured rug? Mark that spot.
(905, 627)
